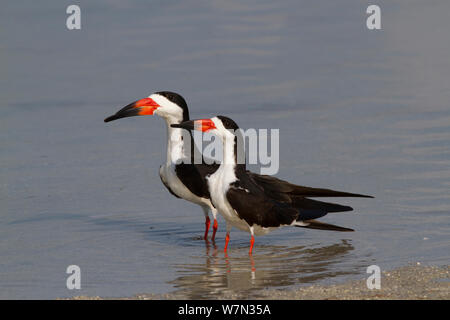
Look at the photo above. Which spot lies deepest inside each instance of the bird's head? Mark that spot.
(220, 125)
(168, 105)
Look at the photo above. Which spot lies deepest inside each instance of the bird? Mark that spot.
(259, 203)
(183, 179)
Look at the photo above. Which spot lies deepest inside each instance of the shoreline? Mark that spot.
(412, 282)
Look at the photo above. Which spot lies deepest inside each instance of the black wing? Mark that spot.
(269, 207)
(255, 208)
(283, 188)
(191, 177)
(285, 192)
(281, 202)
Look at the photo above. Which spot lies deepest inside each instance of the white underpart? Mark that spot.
(172, 113)
(220, 181)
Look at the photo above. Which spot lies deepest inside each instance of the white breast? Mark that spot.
(218, 184)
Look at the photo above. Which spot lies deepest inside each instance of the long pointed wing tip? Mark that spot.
(356, 195)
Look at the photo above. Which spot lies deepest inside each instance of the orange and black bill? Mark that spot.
(141, 107)
(203, 125)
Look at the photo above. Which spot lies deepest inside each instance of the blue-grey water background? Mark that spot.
(358, 110)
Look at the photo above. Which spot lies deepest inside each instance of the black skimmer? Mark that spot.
(183, 180)
(260, 203)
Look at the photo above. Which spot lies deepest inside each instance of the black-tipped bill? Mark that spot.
(188, 125)
(141, 107)
(200, 125)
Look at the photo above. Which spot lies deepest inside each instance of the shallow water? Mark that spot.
(358, 110)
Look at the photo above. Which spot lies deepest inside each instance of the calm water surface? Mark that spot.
(358, 110)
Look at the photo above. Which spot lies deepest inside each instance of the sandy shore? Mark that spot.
(410, 282)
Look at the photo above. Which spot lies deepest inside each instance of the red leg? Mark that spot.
(215, 226)
(227, 239)
(207, 224)
(252, 242)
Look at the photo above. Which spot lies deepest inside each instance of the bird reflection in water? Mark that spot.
(274, 267)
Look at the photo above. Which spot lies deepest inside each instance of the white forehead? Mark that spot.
(167, 108)
(163, 101)
(218, 123)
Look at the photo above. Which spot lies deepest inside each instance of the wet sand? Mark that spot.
(410, 282)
